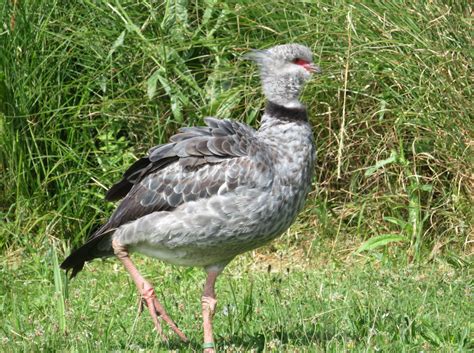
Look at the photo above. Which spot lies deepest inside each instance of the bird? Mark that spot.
(215, 191)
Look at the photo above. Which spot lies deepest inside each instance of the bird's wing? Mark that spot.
(198, 162)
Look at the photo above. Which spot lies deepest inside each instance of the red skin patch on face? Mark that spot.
(305, 64)
(301, 62)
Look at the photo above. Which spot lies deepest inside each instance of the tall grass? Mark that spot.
(88, 86)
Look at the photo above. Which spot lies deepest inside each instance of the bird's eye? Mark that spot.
(299, 61)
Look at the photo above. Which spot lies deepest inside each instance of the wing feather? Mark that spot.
(198, 162)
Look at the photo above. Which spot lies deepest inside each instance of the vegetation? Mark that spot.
(379, 259)
(338, 307)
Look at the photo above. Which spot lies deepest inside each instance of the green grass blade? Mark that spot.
(59, 293)
(379, 241)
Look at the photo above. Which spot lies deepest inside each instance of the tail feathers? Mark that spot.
(97, 246)
(119, 190)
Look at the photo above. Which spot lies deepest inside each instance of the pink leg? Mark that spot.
(146, 291)
(208, 303)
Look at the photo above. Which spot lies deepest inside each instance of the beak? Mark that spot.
(312, 68)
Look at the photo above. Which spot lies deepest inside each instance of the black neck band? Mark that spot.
(287, 114)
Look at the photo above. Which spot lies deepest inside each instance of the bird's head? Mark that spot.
(283, 70)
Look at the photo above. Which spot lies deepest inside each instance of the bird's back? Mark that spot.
(265, 201)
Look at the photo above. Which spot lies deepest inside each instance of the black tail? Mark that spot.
(120, 190)
(99, 245)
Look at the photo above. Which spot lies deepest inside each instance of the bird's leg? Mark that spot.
(208, 303)
(146, 291)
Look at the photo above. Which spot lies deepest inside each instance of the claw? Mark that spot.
(147, 293)
(161, 312)
(157, 310)
(154, 315)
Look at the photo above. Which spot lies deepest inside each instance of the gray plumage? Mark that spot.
(218, 190)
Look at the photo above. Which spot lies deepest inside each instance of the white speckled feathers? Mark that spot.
(269, 189)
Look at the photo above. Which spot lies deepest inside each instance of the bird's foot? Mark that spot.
(156, 309)
(208, 305)
(146, 291)
(208, 309)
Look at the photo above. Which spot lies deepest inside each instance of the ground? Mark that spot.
(369, 302)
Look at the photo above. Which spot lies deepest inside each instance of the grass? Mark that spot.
(360, 305)
(379, 259)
